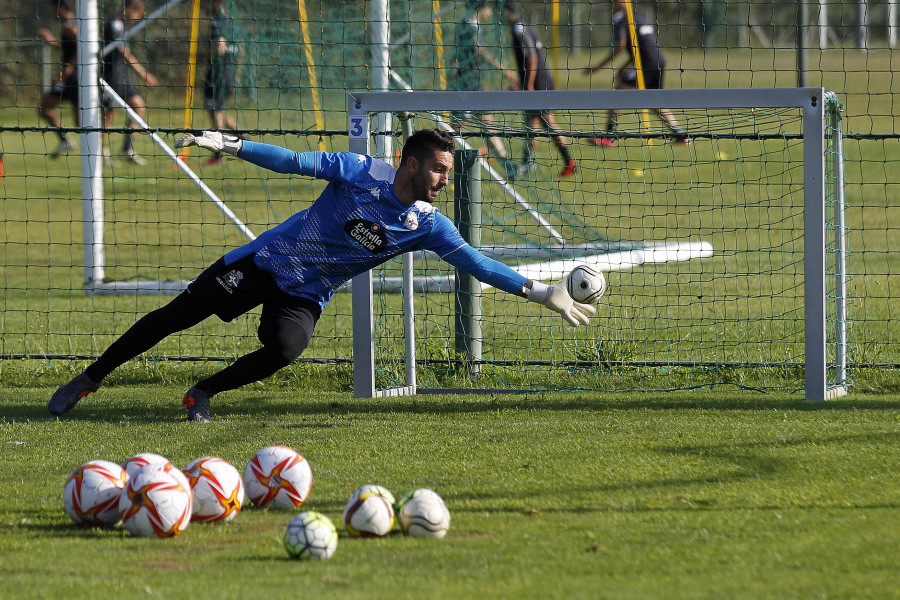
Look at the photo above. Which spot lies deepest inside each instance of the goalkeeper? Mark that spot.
(367, 214)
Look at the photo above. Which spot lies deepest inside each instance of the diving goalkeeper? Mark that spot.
(367, 214)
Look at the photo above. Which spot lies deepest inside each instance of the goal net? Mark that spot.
(722, 267)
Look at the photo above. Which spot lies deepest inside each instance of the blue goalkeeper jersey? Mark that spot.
(356, 224)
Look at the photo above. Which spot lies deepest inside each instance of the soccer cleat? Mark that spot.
(569, 169)
(63, 147)
(68, 395)
(134, 157)
(196, 402)
(604, 141)
(684, 141)
(511, 168)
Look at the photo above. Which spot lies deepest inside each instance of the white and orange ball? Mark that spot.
(217, 489)
(91, 494)
(369, 512)
(138, 461)
(422, 513)
(156, 502)
(278, 477)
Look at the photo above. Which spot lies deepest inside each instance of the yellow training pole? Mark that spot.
(638, 66)
(311, 69)
(192, 72)
(555, 37)
(439, 42)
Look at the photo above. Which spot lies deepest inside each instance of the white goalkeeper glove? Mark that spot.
(555, 297)
(213, 140)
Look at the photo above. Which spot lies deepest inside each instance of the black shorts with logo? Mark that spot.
(232, 290)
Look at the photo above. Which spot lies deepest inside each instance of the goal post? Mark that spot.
(790, 116)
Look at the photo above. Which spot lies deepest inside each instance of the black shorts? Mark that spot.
(66, 90)
(232, 290)
(218, 87)
(123, 87)
(653, 78)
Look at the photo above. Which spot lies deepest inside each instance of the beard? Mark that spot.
(421, 189)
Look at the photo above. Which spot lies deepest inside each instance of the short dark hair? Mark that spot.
(425, 142)
(62, 4)
(510, 5)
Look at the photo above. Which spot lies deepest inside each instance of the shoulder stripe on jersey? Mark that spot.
(382, 171)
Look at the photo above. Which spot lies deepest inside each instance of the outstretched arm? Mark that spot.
(487, 270)
(274, 158)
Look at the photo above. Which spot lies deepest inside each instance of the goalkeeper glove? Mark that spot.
(555, 297)
(213, 140)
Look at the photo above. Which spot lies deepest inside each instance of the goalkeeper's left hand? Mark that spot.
(555, 297)
(213, 140)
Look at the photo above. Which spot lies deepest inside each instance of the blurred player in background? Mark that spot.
(367, 214)
(653, 65)
(115, 73)
(534, 75)
(222, 71)
(468, 74)
(66, 87)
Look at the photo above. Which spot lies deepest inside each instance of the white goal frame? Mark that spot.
(367, 108)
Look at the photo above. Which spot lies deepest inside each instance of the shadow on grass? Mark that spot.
(231, 407)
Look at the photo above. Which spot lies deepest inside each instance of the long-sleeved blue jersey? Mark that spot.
(356, 224)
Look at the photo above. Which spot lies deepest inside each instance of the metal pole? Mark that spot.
(814, 246)
(823, 24)
(409, 306)
(467, 212)
(840, 238)
(802, 20)
(892, 23)
(379, 44)
(88, 21)
(862, 24)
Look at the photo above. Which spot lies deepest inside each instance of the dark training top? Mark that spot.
(527, 44)
(647, 42)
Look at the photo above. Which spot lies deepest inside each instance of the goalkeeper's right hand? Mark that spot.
(213, 140)
(555, 297)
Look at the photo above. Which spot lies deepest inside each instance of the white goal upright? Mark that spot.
(726, 258)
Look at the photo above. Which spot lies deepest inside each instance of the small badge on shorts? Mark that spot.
(412, 221)
(231, 280)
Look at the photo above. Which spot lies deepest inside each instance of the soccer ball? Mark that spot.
(585, 284)
(157, 502)
(422, 513)
(91, 494)
(138, 461)
(369, 512)
(310, 536)
(217, 488)
(278, 477)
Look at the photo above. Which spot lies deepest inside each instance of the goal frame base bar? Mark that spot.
(368, 108)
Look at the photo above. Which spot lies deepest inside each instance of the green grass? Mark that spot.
(552, 496)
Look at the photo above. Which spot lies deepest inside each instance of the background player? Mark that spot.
(468, 74)
(115, 72)
(534, 75)
(222, 71)
(367, 214)
(653, 65)
(66, 87)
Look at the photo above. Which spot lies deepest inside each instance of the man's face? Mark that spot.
(431, 175)
(134, 12)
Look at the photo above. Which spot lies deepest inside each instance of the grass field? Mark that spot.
(706, 493)
(681, 495)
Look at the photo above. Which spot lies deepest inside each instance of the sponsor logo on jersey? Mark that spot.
(411, 221)
(369, 234)
(230, 280)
